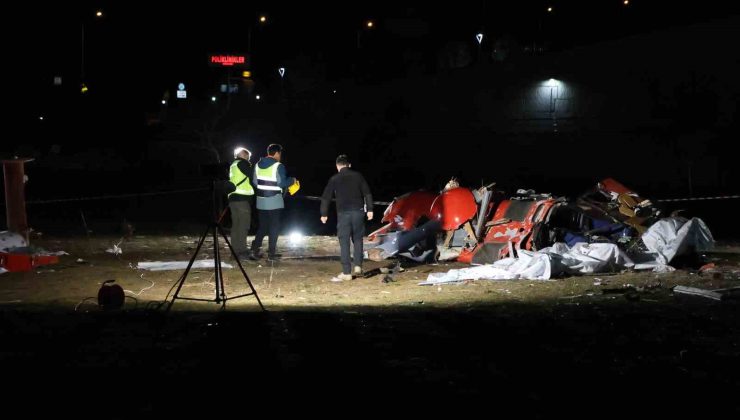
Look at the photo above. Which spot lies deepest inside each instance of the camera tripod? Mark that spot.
(215, 229)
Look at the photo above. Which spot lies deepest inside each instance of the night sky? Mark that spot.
(413, 100)
(144, 48)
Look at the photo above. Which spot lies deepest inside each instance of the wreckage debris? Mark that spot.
(716, 294)
(17, 256)
(483, 227)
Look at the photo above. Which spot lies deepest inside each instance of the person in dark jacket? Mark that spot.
(354, 201)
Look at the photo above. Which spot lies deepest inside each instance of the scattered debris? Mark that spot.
(115, 250)
(17, 256)
(716, 294)
(25, 259)
(626, 288)
(707, 267)
(720, 272)
(10, 240)
(179, 265)
(390, 272)
(694, 291)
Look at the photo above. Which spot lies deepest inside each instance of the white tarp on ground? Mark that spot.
(674, 236)
(11, 240)
(543, 265)
(665, 239)
(178, 265)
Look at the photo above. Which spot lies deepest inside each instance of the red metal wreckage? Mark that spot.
(482, 226)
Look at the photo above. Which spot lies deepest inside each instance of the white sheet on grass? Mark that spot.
(674, 236)
(665, 239)
(179, 265)
(10, 240)
(543, 265)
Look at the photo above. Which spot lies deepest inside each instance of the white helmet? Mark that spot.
(242, 149)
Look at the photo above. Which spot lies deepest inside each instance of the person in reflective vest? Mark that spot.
(270, 181)
(241, 200)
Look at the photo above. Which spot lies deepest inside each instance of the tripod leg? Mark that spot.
(217, 266)
(223, 214)
(181, 281)
(220, 289)
(239, 263)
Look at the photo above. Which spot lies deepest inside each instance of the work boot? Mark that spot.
(244, 255)
(255, 255)
(342, 277)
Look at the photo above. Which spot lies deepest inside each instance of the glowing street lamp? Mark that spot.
(83, 88)
(370, 24)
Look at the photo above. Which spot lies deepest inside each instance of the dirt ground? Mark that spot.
(303, 278)
(574, 346)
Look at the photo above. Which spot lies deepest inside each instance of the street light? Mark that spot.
(369, 25)
(262, 21)
(213, 99)
(626, 2)
(549, 9)
(83, 87)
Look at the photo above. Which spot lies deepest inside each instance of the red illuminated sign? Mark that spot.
(227, 60)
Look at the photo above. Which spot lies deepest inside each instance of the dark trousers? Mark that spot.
(350, 226)
(269, 225)
(241, 218)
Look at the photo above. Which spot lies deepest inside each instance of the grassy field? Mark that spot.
(620, 345)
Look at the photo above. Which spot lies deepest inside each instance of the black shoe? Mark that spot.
(244, 255)
(273, 258)
(255, 255)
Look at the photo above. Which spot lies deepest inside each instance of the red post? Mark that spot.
(15, 197)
